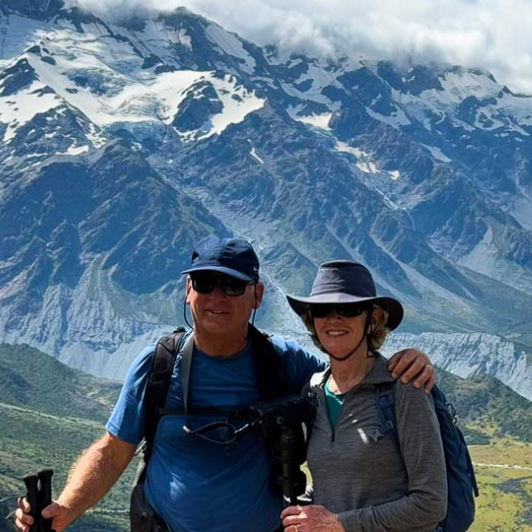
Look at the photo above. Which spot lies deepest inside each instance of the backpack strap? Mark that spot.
(271, 378)
(385, 401)
(270, 375)
(186, 365)
(318, 380)
(158, 383)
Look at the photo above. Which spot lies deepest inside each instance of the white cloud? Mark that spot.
(492, 34)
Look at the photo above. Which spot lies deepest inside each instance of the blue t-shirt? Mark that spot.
(196, 485)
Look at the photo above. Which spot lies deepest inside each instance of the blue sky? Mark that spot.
(492, 34)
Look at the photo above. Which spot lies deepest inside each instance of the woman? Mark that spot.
(362, 482)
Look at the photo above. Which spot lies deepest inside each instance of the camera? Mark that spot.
(284, 425)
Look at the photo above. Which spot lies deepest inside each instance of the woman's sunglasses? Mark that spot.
(205, 283)
(346, 310)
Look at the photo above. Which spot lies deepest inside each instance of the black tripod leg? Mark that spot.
(32, 496)
(45, 496)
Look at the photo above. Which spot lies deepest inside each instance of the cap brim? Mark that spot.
(389, 304)
(220, 269)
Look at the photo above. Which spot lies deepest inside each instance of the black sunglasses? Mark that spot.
(205, 283)
(346, 310)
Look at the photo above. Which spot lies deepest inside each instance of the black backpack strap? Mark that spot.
(158, 383)
(385, 401)
(270, 375)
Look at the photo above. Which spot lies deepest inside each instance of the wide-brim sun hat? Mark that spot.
(345, 281)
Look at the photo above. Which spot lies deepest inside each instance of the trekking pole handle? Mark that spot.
(32, 496)
(45, 496)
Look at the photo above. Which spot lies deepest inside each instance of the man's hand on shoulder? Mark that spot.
(410, 364)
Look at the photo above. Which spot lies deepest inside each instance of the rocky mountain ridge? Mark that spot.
(472, 355)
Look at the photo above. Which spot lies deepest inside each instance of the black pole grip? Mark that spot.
(45, 496)
(32, 496)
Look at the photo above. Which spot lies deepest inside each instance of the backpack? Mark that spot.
(271, 383)
(461, 481)
(271, 379)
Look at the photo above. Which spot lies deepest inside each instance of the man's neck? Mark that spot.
(220, 345)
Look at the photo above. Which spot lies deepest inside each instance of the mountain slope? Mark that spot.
(32, 380)
(49, 413)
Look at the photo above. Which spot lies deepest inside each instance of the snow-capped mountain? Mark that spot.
(125, 142)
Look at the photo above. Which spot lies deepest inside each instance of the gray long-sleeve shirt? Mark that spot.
(359, 474)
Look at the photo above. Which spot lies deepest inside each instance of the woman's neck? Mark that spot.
(348, 373)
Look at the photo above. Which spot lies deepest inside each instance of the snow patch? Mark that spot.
(294, 62)
(309, 96)
(237, 104)
(17, 111)
(134, 100)
(156, 35)
(522, 212)
(17, 34)
(319, 77)
(345, 148)
(364, 162)
(464, 83)
(253, 154)
(232, 45)
(437, 154)
(396, 120)
(76, 150)
(486, 258)
(320, 121)
(368, 167)
(394, 175)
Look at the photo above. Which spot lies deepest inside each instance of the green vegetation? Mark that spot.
(487, 408)
(504, 473)
(30, 379)
(497, 423)
(49, 413)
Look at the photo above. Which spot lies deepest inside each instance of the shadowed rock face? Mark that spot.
(34, 8)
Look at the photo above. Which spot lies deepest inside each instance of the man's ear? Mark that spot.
(259, 292)
(188, 288)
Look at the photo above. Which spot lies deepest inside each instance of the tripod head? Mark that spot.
(284, 426)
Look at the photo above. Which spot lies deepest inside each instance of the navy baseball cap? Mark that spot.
(231, 256)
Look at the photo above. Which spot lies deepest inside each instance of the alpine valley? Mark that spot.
(124, 142)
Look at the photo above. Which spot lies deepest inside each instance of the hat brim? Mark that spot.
(389, 304)
(220, 269)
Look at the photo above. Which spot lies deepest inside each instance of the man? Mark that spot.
(200, 479)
